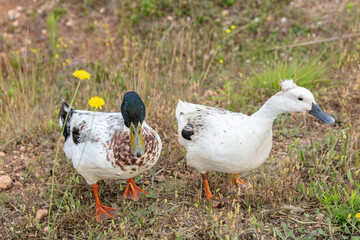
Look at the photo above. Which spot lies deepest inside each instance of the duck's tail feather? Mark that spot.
(65, 114)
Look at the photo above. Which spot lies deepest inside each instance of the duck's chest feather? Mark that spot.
(111, 157)
(118, 151)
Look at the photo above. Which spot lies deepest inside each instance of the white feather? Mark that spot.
(229, 142)
(89, 157)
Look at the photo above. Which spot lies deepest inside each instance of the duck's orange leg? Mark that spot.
(237, 181)
(209, 196)
(132, 191)
(102, 212)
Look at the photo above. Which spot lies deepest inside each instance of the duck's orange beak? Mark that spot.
(137, 140)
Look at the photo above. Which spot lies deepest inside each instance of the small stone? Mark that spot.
(11, 15)
(102, 10)
(147, 182)
(40, 214)
(15, 23)
(2, 154)
(19, 8)
(22, 149)
(160, 178)
(17, 15)
(18, 184)
(69, 23)
(5, 182)
(320, 217)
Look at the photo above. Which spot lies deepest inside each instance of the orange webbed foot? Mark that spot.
(133, 192)
(216, 202)
(240, 183)
(103, 213)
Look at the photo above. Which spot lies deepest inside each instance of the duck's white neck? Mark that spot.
(271, 109)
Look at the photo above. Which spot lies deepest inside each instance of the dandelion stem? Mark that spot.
(56, 156)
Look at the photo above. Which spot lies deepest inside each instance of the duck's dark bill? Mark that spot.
(137, 140)
(316, 111)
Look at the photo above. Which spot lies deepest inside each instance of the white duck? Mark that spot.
(223, 141)
(120, 146)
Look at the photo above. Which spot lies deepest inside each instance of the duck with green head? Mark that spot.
(120, 146)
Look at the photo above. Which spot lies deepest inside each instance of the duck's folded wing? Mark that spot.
(207, 122)
(85, 126)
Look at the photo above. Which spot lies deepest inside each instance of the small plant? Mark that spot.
(306, 73)
(342, 203)
(52, 22)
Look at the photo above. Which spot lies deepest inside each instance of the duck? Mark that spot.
(219, 140)
(117, 146)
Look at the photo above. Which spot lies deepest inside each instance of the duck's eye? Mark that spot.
(300, 98)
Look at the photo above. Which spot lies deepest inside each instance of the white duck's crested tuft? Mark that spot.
(288, 84)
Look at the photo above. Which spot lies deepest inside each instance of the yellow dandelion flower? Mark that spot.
(33, 50)
(124, 47)
(58, 45)
(96, 102)
(349, 216)
(67, 60)
(228, 31)
(221, 61)
(56, 55)
(136, 43)
(81, 74)
(65, 45)
(64, 64)
(95, 22)
(357, 215)
(107, 43)
(60, 39)
(70, 41)
(216, 218)
(233, 27)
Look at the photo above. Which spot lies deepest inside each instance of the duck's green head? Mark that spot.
(133, 112)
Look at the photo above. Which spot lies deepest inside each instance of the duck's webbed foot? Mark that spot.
(240, 183)
(132, 191)
(216, 202)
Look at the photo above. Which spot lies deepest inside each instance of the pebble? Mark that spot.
(40, 214)
(22, 149)
(69, 23)
(11, 15)
(2, 154)
(5, 182)
(320, 217)
(160, 178)
(18, 184)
